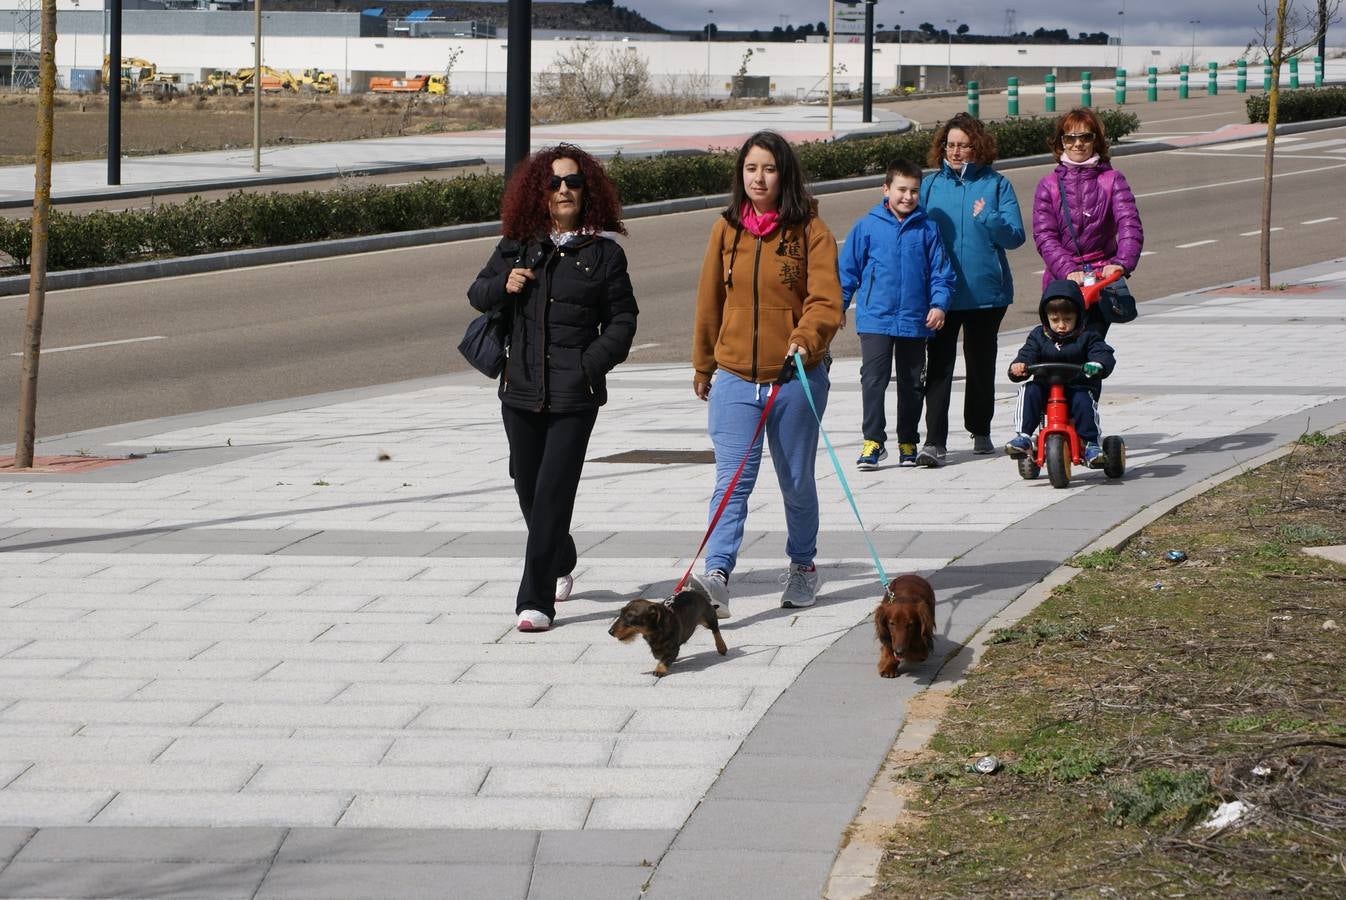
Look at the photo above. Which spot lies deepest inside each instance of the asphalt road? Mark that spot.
(222, 339)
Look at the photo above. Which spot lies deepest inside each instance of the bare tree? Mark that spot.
(1288, 31)
(588, 83)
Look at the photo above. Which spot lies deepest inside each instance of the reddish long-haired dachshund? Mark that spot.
(905, 623)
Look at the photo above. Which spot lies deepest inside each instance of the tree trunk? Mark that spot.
(37, 260)
(1277, 52)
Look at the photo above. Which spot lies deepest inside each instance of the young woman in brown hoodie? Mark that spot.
(768, 289)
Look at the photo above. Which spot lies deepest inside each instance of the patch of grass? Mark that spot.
(1124, 714)
(1314, 439)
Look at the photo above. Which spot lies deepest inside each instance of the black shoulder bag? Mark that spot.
(484, 343)
(1115, 302)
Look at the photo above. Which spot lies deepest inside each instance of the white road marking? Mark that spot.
(1255, 142)
(1187, 118)
(1297, 156)
(1196, 244)
(1259, 231)
(1319, 221)
(1148, 252)
(1318, 145)
(642, 347)
(153, 337)
(1220, 184)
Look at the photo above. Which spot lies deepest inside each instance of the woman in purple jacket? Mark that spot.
(1084, 214)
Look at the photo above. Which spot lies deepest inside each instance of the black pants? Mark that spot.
(980, 328)
(1083, 410)
(878, 354)
(546, 457)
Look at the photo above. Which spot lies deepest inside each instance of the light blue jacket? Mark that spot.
(977, 244)
(894, 271)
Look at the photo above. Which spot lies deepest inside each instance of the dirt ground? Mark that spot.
(189, 123)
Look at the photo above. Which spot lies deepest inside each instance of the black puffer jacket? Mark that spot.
(572, 324)
(1079, 347)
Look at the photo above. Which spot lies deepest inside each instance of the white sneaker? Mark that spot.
(716, 585)
(532, 620)
(801, 586)
(564, 585)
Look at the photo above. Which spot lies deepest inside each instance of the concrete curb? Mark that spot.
(239, 259)
(855, 871)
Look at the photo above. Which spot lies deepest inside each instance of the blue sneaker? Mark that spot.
(1019, 446)
(871, 454)
(1094, 457)
(906, 454)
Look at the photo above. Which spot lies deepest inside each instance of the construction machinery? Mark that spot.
(143, 76)
(412, 84)
(222, 81)
(316, 81)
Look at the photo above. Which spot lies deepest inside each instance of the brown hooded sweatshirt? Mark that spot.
(759, 295)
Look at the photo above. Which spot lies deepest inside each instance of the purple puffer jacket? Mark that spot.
(1107, 233)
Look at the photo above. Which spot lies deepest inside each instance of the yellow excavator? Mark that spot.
(222, 81)
(142, 76)
(316, 81)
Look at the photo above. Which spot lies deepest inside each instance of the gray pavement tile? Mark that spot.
(603, 848)
(770, 825)
(215, 881)
(223, 541)
(822, 736)
(407, 845)
(407, 811)
(75, 540)
(339, 881)
(367, 543)
(12, 839)
(570, 882)
(750, 776)
(138, 844)
(737, 874)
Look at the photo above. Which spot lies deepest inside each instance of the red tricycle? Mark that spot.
(1056, 445)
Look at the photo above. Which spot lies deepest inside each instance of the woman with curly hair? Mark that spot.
(769, 289)
(978, 217)
(562, 279)
(1084, 214)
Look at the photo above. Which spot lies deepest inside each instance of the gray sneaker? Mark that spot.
(801, 586)
(930, 457)
(716, 585)
(981, 444)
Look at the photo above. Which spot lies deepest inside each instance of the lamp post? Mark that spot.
(257, 85)
(948, 65)
(709, 13)
(831, 50)
(1194, 23)
(900, 13)
(867, 94)
(114, 93)
(1121, 32)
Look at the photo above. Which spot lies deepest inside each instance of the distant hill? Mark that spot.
(595, 15)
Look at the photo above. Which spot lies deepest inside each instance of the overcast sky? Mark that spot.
(1225, 22)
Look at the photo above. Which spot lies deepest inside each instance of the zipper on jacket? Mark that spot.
(756, 261)
(545, 284)
(867, 292)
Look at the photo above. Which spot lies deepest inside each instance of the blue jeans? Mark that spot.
(792, 434)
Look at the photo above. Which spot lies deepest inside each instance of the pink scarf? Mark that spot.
(758, 225)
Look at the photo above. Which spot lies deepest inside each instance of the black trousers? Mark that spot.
(878, 355)
(980, 328)
(546, 457)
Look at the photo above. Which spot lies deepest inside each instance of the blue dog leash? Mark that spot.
(836, 464)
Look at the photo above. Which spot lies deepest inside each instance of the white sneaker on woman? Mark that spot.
(564, 585)
(533, 620)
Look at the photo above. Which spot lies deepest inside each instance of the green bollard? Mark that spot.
(973, 100)
(1086, 90)
(1266, 75)
(1013, 95)
(1182, 81)
(1242, 83)
(1212, 78)
(1049, 105)
(1317, 71)
(1119, 90)
(1152, 90)
(1294, 72)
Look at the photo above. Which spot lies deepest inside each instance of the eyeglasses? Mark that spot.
(963, 147)
(574, 181)
(1079, 137)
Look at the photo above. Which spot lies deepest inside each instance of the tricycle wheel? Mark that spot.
(1057, 452)
(1115, 449)
(1028, 468)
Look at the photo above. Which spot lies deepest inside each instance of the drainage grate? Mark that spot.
(661, 457)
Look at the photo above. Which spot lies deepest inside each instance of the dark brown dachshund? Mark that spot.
(905, 622)
(667, 626)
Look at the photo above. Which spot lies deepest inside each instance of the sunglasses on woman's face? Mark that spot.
(1079, 137)
(574, 181)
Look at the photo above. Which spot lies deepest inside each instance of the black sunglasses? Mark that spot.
(574, 181)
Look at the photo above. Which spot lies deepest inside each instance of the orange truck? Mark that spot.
(412, 84)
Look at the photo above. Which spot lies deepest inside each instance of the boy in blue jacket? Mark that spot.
(894, 267)
(1061, 339)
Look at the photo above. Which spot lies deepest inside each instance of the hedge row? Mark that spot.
(1300, 105)
(264, 219)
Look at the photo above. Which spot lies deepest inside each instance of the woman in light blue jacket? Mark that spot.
(978, 217)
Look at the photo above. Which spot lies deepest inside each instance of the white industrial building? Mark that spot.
(355, 47)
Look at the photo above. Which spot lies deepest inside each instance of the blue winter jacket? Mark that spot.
(895, 271)
(977, 244)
